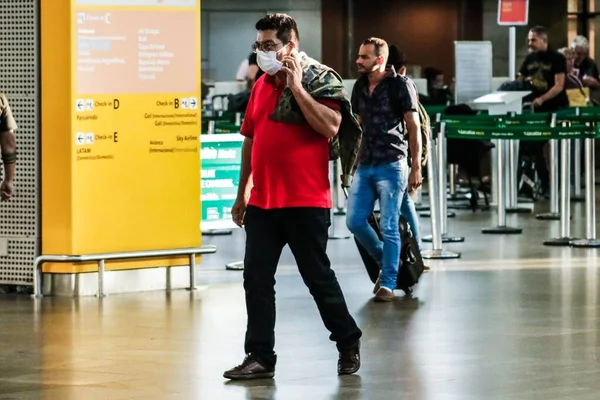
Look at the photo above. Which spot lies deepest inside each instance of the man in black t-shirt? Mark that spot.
(546, 70)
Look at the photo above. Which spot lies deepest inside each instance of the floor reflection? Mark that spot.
(511, 319)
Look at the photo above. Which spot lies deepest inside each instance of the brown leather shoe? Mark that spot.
(384, 295)
(349, 361)
(249, 369)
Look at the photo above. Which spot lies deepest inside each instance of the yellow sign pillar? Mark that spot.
(120, 128)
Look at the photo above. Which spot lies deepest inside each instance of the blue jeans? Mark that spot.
(386, 183)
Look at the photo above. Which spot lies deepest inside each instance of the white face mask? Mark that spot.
(268, 62)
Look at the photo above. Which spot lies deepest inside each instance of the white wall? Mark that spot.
(228, 31)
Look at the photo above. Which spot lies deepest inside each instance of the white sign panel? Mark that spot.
(473, 68)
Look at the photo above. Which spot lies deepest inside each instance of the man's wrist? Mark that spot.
(243, 195)
(415, 165)
(297, 90)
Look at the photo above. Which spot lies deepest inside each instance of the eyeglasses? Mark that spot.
(266, 46)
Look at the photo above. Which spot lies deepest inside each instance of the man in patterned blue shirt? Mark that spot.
(390, 121)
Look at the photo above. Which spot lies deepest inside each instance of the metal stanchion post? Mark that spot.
(235, 266)
(333, 235)
(419, 206)
(513, 190)
(590, 199)
(442, 178)
(437, 252)
(452, 172)
(577, 196)
(554, 214)
(101, 269)
(340, 209)
(427, 214)
(495, 172)
(502, 228)
(335, 181)
(192, 272)
(455, 194)
(565, 238)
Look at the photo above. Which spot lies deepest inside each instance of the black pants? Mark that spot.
(535, 149)
(305, 230)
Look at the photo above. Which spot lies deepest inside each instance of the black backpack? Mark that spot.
(423, 116)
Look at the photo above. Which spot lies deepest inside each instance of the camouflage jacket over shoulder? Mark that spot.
(323, 83)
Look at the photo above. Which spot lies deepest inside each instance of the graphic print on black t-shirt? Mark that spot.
(540, 69)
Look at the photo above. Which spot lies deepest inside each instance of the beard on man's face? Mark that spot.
(366, 68)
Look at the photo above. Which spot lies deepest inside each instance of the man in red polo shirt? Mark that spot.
(284, 198)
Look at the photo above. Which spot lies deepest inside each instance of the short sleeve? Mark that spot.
(334, 105)
(247, 129)
(559, 66)
(408, 98)
(588, 67)
(523, 69)
(7, 121)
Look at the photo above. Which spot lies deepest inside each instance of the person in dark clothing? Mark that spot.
(254, 72)
(382, 171)
(8, 148)
(437, 91)
(407, 208)
(397, 59)
(546, 70)
(584, 67)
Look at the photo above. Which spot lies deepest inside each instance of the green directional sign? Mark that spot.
(221, 158)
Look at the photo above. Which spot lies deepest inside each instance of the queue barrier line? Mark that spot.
(519, 119)
(481, 132)
(566, 134)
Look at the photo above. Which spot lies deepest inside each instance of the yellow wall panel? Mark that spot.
(120, 128)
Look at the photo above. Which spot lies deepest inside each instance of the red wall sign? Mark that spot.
(513, 12)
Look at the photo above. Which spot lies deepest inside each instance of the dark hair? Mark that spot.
(380, 45)
(431, 73)
(539, 30)
(396, 57)
(459, 109)
(286, 27)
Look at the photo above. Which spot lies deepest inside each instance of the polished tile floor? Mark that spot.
(511, 319)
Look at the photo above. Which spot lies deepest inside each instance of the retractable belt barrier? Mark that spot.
(520, 127)
(481, 132)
